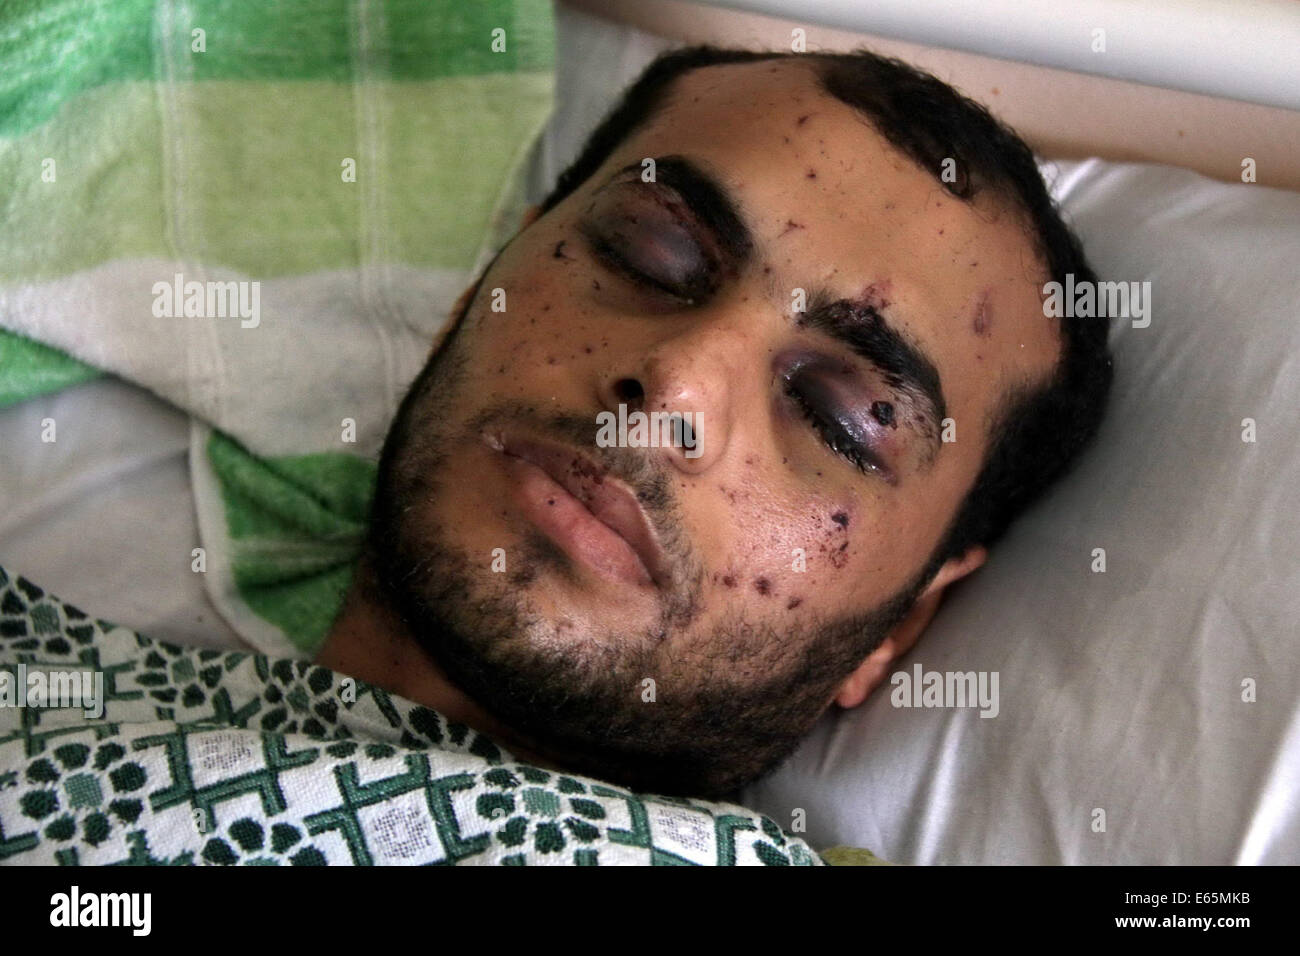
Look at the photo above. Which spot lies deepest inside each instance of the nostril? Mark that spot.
(629, 390)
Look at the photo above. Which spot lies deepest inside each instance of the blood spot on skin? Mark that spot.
(550, 360)
(595, 285)
(559, 251)
(883, 412)
(983, 322)
(839, 556)
(876, 295)
(802, 119)
(811, 174)
(841, 519)
(763, 586)
(587, 349)
(793, 603)
(790, 226)
(581, 468)
(728, 580)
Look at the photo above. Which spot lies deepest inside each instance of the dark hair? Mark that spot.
(1040, 430)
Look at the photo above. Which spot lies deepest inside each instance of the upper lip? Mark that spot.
(610, 501)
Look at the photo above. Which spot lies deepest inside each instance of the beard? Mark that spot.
(663, 709)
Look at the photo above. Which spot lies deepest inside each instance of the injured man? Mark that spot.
(694, 463)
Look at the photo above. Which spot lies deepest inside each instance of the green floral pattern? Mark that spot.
(214, 758)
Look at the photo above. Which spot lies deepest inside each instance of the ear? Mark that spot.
(872, 672)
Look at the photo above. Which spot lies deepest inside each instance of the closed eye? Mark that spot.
(617, 260)
(838, 438)
(646, 234)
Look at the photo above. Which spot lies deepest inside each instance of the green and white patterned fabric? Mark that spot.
(209, 757)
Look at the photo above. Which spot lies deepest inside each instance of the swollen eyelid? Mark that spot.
(669, 255)
(825, 399)
(835, 405)
(652, 246)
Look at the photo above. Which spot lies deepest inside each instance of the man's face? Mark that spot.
(678, 617)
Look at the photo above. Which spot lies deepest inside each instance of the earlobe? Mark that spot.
(875, 669)
(955, 569)
(869, 675)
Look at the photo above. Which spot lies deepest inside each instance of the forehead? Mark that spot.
(832, 203)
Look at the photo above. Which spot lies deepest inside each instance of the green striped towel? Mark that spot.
(344, 165)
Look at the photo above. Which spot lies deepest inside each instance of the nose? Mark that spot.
(688, 384)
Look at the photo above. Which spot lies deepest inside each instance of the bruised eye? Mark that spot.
(839, 422)
(646, 239)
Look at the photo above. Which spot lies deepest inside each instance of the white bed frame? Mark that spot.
(1240, 49)
(1203, 84)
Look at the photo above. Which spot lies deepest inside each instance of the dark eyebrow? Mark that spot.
(904, 364)
(709, 201)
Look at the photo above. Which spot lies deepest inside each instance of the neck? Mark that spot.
(370, 642)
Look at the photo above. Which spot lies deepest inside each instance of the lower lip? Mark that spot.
(567, 522)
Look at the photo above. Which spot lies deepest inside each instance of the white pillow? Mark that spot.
(1120, 693)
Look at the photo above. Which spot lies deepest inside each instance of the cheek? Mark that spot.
(531, 321)
(780, 555)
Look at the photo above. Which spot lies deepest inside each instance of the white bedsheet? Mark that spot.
(104, 515)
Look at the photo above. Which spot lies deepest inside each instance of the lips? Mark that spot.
(595, 492)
